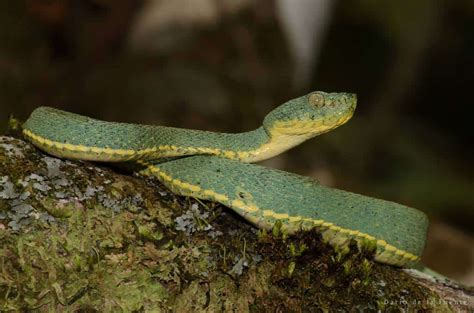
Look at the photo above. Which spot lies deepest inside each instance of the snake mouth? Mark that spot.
(309, 127)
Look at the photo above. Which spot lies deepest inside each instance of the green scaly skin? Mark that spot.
(261, 195)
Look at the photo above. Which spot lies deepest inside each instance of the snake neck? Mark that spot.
(145, 143)
(252, 146)
(271, 143)
(77, 137)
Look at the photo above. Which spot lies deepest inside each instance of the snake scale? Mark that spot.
(216, 166)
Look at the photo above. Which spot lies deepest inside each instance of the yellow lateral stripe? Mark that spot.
(219, 197)
(238, 203)
(295, 219)
(229, 154)
(110, 151)
(317, 222)
(280, 216)
(241, 205)
(251, 208)
(243, 154)
(269, 213)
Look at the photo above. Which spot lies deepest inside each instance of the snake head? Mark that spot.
(311, 115)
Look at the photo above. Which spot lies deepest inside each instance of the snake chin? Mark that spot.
(210, 166)
(311, 115)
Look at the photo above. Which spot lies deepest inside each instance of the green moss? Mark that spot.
(59, 209)
(87, 238)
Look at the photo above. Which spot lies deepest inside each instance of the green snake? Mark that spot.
(216, 166)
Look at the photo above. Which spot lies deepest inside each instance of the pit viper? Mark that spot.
(217, 166)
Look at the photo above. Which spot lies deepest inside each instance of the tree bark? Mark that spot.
(81, 236)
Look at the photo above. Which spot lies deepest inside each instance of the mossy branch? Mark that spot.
(77, 236)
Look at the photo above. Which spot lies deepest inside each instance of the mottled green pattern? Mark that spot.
(283, 192)
(76, 129)
(64, 127)
(259, 194)
(330, 107)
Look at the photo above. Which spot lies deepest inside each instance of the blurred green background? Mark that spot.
(222, 65)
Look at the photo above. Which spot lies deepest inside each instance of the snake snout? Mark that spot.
(351, 100)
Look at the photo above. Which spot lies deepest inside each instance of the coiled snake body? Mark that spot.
(215, 166)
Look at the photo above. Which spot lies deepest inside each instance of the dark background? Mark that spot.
(222, 65)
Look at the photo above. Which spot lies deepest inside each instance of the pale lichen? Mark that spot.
(79, 237)
(11, 150)
(7, 188)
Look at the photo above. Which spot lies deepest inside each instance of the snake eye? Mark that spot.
(317, 100)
